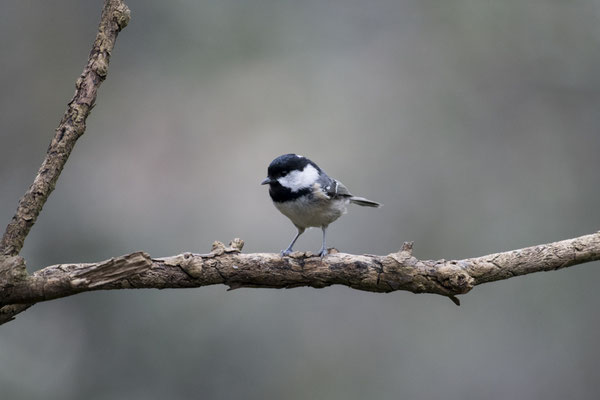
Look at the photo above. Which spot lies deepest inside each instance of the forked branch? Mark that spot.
(115, 17)
(227, 265)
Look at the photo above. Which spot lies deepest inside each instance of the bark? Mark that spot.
(229, 266)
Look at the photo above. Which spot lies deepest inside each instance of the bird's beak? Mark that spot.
(266, 181)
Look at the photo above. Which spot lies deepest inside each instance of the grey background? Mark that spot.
(474, 122)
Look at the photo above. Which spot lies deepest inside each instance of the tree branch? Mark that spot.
(115, 16)
(227, 265)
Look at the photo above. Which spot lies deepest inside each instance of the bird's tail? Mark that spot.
(361, 201)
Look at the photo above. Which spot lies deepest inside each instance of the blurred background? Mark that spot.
(476, 123)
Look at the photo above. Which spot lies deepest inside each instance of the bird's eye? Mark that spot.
(284, 172)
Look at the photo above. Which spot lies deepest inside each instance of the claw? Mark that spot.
(285, 253)
(323, 252)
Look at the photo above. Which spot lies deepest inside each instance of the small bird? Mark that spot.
(305, 194)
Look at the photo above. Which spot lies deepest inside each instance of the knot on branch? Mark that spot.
(218, 248)
(404, 256)
(191, 264)
(407, 247)
(100, 65)
(447, 278)
(122, 15)
(236, 244)
(454, 278)
(200, 266)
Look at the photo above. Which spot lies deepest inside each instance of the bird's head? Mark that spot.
(293, 172)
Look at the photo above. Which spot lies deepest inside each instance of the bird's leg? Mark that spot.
(323, 251)
(287, 251)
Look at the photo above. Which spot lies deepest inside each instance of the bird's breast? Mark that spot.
(310, 210)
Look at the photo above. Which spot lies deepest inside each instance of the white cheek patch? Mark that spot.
(297, 180)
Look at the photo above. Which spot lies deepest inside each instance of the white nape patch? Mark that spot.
(299, 156)
(298, 180)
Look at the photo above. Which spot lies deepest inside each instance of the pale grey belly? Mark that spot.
(306, 212)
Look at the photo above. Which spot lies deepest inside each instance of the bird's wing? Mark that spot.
(336, 188)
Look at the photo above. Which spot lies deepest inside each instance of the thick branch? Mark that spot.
(115, 16)
(227, 265)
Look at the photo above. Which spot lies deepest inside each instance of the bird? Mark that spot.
(305, 194)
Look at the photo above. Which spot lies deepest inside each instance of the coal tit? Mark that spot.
(305, 194)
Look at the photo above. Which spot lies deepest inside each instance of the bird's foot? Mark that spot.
(286, 252)
(323, 252)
